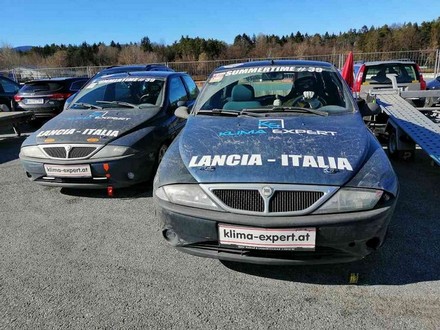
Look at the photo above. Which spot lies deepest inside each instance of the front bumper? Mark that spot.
(340, 238)
(117, 175)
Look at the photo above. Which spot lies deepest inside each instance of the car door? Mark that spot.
(7, 90)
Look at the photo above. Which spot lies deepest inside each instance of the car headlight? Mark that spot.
(32, 151)
(351, 200)
(113, 151)
(188, 195)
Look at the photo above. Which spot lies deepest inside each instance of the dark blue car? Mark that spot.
(276, 166)
(113, 135)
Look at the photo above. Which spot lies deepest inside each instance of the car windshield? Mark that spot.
(273, 89)
(41, 86)
(127, 92)
(377, 74)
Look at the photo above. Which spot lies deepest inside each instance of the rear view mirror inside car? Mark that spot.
(272, 76)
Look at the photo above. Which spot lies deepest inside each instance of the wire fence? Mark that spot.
(428, 60)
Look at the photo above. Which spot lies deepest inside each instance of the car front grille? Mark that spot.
(291, 201)
(269, 199)
(69, 151)
(80, 152)
(56, 152)
(248, 200)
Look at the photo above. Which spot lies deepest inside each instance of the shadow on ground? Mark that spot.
(10, 148)
(137, 191)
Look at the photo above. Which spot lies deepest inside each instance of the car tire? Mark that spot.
(159, 156)
(162, 150)
(392, 145)
(394, 153)
(429, 102)
(4, 108)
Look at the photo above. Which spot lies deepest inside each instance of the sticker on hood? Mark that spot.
(72, 131)
(285, 160)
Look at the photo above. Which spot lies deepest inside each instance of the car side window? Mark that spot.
(9, 87)
(192, 87)
(177, 91)
(77, 85)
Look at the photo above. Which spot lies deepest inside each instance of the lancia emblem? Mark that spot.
(266, 191)
(67, 148)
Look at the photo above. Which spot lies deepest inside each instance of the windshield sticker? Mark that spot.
(127, 79)
(216, 77)
(339, 163)
(72, 131)
(266, 69)
(117, 80)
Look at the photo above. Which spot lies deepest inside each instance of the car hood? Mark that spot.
(89, 126)
(296, 150)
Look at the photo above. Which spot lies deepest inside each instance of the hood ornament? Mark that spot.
(266, 191)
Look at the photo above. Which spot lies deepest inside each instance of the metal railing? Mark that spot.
(428, 60)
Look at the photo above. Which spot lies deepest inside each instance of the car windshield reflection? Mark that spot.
(121, 93)
(275, 89)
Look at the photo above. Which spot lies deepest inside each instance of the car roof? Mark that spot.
(386, 62)
(136, 67)
(8, 79)
(275, 63)
(57, 79)
(158, 74)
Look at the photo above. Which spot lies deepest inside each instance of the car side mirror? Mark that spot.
(182, 112)
(369, 109)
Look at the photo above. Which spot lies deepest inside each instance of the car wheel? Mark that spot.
(429, 102)
(162, 150)
(395, 153)
(4, 108)
(392, 145)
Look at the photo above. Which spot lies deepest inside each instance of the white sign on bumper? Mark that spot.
(265, 238)
(73, 171)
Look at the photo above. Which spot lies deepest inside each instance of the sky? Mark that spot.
(41, 22)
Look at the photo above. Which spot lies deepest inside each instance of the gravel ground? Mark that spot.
(77, 259)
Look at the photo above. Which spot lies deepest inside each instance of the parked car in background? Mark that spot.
(433, 85)
(113, 135)
(8, 88)
(372, 75)
(276, 166)
(120, 69)
(46, 97)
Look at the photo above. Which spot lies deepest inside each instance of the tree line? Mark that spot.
(396, 37)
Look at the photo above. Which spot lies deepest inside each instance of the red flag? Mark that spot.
(347, 70)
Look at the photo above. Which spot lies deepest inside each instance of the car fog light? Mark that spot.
(130, 175)
(171, 236)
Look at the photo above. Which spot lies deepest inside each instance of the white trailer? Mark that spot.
(407, 125)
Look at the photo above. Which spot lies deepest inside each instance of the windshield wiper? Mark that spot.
(219, 112)
(124, 104)
(282, 109)
(86, 105)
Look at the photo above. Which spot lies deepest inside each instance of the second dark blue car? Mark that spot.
(113, 135)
